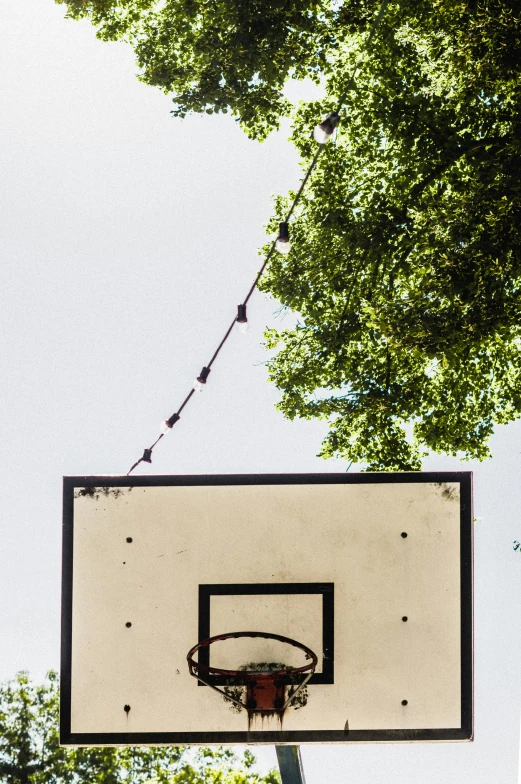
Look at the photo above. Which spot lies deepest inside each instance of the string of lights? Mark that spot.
(323, 133)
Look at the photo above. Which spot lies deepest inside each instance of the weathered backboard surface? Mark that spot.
(371, 571)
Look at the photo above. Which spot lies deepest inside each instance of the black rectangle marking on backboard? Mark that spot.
(326, 590)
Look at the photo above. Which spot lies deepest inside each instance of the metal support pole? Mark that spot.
(290, 765)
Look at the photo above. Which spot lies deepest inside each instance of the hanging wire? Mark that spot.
(169, 423)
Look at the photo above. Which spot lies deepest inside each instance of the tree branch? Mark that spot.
(471, 146)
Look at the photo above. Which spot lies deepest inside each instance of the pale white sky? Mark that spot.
(128, 238)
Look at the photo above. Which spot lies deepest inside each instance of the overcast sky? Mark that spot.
(128, 238)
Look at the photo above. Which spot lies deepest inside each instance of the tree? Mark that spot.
(405, 268)
(406, 260)
(222, 55)
(30, 751)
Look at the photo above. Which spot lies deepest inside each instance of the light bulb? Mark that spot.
(169, 423)
(282, 244)
(200, 381)
(321, 136)
(326, 130)
(242, 318)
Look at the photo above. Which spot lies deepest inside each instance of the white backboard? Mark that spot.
(371, 571)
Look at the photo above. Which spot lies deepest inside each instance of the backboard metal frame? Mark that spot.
(465, 732)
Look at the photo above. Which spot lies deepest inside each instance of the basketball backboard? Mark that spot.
(372, 572)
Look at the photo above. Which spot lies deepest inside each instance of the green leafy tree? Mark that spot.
(30, 752)
(405, 268)
(222, 55)
(406, 259)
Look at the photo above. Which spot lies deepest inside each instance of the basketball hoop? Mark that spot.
(265, 689)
